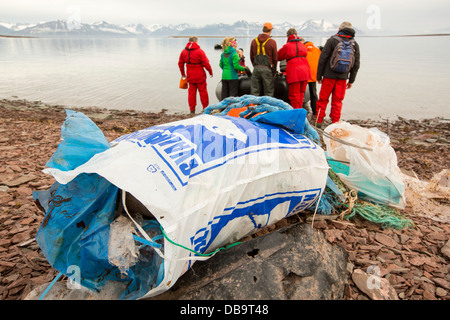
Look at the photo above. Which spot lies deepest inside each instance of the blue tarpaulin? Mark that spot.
(75, 230)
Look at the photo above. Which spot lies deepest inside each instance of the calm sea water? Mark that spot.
(399, 76)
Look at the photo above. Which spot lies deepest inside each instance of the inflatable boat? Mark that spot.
(281, 89)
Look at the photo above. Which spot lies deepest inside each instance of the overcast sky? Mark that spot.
(396, 15)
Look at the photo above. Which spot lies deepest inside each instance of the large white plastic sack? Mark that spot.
(374, 173)
(210, 181)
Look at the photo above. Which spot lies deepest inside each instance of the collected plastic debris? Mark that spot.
(364, 178)
(429, 198)
(370, 169)
(190, 188)
(339, 201)
(122, 251)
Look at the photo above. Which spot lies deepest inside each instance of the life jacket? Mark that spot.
(189, 50)
(261, 58)
(294, 53)
(297, 54)
(196, 62)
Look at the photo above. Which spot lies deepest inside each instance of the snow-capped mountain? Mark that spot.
(170, 29)
(103, 28)
(317, 27)
(138, 29)
(69, 28)
(59, 27)
(16, 26)
(5, 31)
(242, 28)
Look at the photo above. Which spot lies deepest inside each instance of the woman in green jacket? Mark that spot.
(229, 62)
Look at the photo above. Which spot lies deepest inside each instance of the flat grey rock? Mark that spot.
(294, 263)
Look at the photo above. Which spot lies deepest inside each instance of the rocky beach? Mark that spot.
(413, 263)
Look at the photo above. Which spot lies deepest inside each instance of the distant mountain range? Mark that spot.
(63, 28)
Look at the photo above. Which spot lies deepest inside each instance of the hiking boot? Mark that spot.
(319, 125)
(192, 112)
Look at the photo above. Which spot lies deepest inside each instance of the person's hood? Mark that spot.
(229, 50)
(309, 45)
(192, 45)
(263, 37)
(347, 33)
(293, 37)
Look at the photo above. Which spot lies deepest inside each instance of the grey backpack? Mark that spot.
(343, 56)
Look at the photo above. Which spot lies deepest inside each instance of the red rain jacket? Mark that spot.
(196, 63)
(297, 67)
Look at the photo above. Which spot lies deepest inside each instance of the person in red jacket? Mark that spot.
(196, 62)
(297, 67)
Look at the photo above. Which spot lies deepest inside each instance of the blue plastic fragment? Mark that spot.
(292, 120)
(81, 140)
(50, 286)
(76, 226)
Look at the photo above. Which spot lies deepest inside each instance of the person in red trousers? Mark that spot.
(297, 67)
(196, 62)
(334, 82)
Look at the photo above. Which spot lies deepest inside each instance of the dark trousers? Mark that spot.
(230, 88)
(313, 96)
(263, 82)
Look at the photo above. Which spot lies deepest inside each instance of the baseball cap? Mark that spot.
(268, 25)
